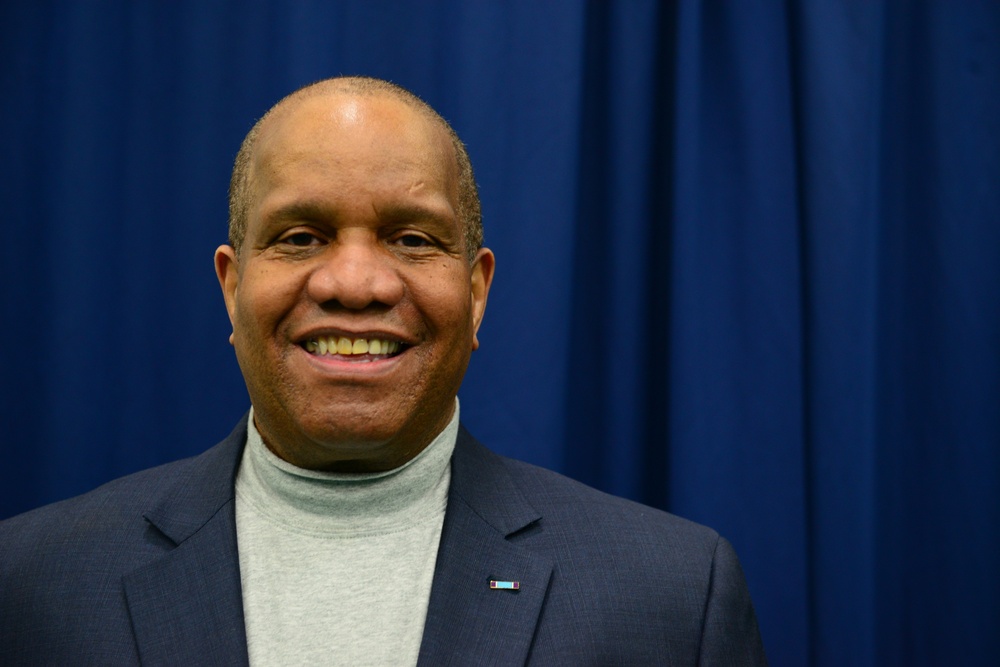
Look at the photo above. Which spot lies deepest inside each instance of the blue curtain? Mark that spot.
(748, 267)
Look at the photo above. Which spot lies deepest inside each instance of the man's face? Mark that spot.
(353, 243)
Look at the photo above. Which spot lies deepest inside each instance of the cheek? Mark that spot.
(446, 304)
(248, 314)
(263, 300)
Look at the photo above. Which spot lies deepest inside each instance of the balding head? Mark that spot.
(469, 210)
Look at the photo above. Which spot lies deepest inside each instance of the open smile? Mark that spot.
(360, 349)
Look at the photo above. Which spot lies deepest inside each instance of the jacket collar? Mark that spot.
(187, 607)
(467, 621)
(203, 486)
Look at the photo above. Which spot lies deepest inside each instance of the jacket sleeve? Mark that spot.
(730, 635)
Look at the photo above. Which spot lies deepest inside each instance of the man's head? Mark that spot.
(355, 282)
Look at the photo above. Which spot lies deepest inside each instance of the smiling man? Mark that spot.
(354, 288)
(349, 519)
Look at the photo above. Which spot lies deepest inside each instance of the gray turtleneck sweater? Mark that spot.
(337, 568)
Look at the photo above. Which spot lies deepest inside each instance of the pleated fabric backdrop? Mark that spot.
(748, 267)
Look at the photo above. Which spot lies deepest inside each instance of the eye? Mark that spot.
(300, 239)
(413, 241)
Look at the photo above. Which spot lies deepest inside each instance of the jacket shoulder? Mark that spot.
(108, 525)
(97, 515)
(62, 565)
(578, 507)
(660, 589)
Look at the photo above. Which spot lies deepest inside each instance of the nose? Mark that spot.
(356, 272)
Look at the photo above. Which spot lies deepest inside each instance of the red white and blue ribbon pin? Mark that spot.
(505, 585)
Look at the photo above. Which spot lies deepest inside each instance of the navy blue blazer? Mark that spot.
(144, 570)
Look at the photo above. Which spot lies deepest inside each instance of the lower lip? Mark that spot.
(361, 364)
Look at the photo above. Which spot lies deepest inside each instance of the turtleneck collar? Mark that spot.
(339, 503)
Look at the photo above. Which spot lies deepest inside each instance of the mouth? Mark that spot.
(353, 349)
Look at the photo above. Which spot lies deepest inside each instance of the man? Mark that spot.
(349, 519)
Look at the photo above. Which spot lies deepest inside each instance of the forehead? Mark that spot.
(373, 131)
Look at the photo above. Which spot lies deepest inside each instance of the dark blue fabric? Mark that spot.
(748, 267)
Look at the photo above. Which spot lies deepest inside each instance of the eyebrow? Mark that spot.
(403, 212)
(306, 210)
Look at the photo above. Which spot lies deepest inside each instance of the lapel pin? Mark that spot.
(505, 585)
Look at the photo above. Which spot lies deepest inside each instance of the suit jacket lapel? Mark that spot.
(467, 621)
(187, 607)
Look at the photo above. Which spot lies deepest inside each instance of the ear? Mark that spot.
(227, 270)
(482, 277)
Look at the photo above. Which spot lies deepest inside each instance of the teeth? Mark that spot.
(346, 346)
